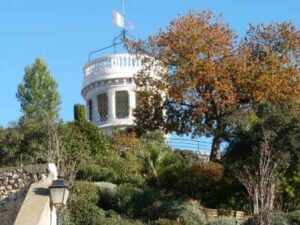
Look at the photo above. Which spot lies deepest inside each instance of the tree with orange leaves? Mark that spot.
(269, 64)
(208, 75)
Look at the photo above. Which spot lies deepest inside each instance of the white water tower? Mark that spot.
(109, 90)
(108, 86)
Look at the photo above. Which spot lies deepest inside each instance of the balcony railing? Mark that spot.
(189, 144)
(113, 61)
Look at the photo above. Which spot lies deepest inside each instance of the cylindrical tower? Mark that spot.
(109, 90)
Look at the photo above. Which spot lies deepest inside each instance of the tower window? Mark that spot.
(102, 107)
(90, 107)
(122, 104)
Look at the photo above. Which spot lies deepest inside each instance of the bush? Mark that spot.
(187, 212)
(108, 191)
(279, 218)
(83, 190)
(228, 195)
(195, 180)
(130, 222)
(223, 221)
(294, 218)
(127, 194)
(83, 204)
(207, 174)
(64, 218)
(143, 206)
(120, 199)
(106, 187)
(81, 144)
(117, 220)
(165, 222)
(86, 213)
(113, 166)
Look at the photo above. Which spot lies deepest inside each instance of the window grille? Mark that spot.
(122, 104)
(103, 107)
(90, 107)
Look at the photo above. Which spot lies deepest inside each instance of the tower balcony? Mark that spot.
(116, 66)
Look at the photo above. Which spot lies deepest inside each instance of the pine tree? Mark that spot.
(40, 103)
(38, 94)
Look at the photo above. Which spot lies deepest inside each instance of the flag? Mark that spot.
(118, 19)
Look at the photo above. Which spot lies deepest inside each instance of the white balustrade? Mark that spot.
(112, 62)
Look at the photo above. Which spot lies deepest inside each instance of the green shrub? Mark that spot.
(279, 218)
(64, 217)
(130, 222)
(294, 217)
(143, 205)
(223, 221)
(84, 212)
(83, 190)
(164, 222)
(117, 220)
(83, 204)
(118, 198)
(188, 213)
(127, 194)
(109, 198)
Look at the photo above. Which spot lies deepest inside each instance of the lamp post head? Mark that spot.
(59, 192)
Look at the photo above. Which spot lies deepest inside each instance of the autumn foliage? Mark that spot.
(209, 74)
(270, 58)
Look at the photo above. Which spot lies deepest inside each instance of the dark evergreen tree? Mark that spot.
(79, 112)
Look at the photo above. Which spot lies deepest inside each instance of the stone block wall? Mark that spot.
(14, 184)
(14, 180)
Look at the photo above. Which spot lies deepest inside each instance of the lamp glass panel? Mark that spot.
(66, 196)
(57, 195)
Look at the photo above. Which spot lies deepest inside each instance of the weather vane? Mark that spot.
(119, 20)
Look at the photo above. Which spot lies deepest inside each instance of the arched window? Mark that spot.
(90, 107)
(102, 106)
(122, 104)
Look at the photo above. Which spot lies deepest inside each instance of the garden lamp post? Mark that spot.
(59, 193)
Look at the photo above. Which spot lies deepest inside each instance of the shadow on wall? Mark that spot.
(42, 191)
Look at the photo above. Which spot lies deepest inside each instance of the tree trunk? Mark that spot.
(259, 179)
(215, 154)
(255, 202)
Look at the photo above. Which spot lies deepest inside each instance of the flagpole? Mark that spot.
(123, 31)
(123, 1)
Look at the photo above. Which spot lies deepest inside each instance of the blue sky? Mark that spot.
(63, 32)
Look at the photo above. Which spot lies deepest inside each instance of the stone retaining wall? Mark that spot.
(14, 184)
(13, 180)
